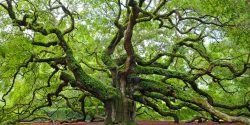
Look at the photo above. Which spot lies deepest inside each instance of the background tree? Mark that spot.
(170, 56)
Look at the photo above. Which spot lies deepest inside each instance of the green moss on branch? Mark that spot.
(153, 86)
(95, 87)
(163, 72)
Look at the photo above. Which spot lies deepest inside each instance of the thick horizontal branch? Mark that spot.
(57, 60)
(154, 86)
(48, 44)
(93, 86)
(164, 72)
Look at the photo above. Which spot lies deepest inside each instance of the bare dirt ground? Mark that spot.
(139, 122)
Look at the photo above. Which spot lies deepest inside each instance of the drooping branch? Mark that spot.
(235, 73)
(193, 46)
(141, 62)
(70, 105)
(56, 69)
(169, 104)
(147, 102)
(218, 23)
(49, 103)
(186, 78)
(205, 105)
(202, 103)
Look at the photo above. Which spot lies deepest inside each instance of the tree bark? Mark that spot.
(121, 110)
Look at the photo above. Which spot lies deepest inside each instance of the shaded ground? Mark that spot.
(139, 122)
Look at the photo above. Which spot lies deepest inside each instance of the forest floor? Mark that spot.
(139, 122)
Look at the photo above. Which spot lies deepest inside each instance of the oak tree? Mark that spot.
(166, 55)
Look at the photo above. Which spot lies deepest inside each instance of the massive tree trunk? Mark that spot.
(121, 110)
